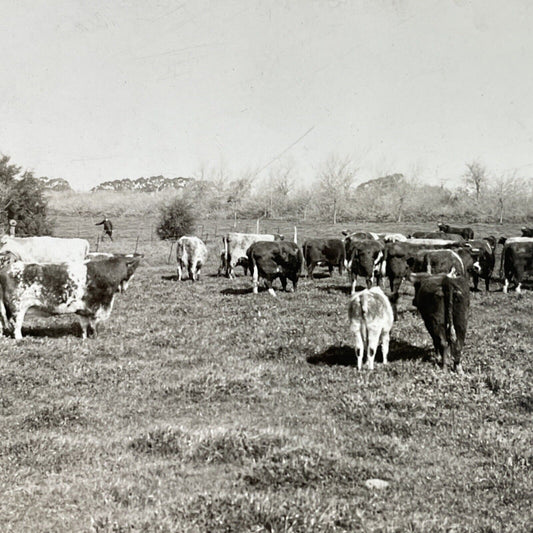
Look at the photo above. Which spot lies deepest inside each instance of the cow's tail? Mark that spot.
(448, 309)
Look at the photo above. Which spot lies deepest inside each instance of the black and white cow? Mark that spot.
(517, 259)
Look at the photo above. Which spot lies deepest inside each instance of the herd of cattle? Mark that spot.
(57, 275)
(439, 264)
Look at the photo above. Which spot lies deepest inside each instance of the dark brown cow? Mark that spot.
(466, 233)
(324, 252)
(366, 260)
(517, 258)
(526, 232)
(271, 260)
(483, 260)
(443, 303)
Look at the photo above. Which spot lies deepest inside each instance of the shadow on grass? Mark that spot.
(172, 277)
(345, 355)
(240, 292)
(345, 289)
(53, 331)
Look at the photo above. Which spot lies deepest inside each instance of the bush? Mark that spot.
(176, 220)
(23, 199)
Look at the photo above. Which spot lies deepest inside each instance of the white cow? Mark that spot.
(191, 253)
(371, 319)
(44, 249)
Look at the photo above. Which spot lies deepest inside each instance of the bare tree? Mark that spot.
(280, 184)
(507, 190)
(335, 180)
(476, 175)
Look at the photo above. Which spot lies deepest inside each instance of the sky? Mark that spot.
(101, 90)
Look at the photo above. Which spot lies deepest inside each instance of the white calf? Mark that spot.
(371, 319)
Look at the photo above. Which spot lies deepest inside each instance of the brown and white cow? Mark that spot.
(324, 252)
(45, 249)
(517, 260)
(371, 319)
(191, 254)
(443, 302)
(236, 245)
(275, 259)
(483, 260)
(86, 288)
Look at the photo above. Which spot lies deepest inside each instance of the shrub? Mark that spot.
(22, 198)
(176, 220)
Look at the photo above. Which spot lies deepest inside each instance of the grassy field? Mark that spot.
(205, 408)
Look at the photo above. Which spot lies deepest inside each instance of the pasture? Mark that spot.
(205, 408)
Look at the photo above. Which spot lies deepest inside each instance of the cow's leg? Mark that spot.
(487, 282)
(359, 348)
(192, 269)
(198, 269)
(506, 286)
(18, 318)
(518, 288)
(255, 279)
(330, 270)
(475, 280)
(354, 284)
(283, 280)
(373, 342)
(179, 269)
(456, 355)
(385, 337)
(271, 291)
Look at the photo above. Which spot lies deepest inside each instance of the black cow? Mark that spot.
(482, 252)
(517, 257)
(526, 232)
(466, 233)
(275, 259)
(366, 260)
(324, 252)
(443, 303)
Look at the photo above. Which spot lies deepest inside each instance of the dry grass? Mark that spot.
(205, 408)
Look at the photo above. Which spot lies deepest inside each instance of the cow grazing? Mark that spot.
(275, 259)
(526, 232)
(371, 319)
(366, 260)
(127, 258)
(517, 259)
(443, 302)
(86, 288)
(191, 254)
(324, 252)
(236, 245)
(466, 233)
(45, 249)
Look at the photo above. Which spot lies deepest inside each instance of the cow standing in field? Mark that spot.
(366, 260)
(324, 252)
(484, 259)
(371, 319)
(86, 288)
(443, 302)
(275, 259)
(191, 254)
(45, 249)
(436, 262)
(236, 246)
(526, 232)
(465, 232)
(517, 259)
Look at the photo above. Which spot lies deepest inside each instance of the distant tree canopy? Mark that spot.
(175, 220)
(22, 199)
